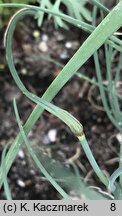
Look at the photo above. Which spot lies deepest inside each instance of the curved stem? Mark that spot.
(92, 160)
(113, 178)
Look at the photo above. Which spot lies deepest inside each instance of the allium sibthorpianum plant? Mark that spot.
(76, 9)
(99, 36)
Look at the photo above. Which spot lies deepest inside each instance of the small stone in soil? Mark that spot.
(20, 183)
(27, 48)
(64, 55)
(119, 137)
(21, 154)
(45, 37)
(46, 140)
(32, 172)
(36, 34)
(2, 66)
(59, 36)
(52, 135)
(43, 46)
(68, 45)
(24, 71)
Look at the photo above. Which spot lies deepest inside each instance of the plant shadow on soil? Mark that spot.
(31, 49)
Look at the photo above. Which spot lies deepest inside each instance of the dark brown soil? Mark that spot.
(77, 97)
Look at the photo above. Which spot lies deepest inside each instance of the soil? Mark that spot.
(32, 46)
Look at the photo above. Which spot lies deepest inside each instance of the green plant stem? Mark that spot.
(105, 29)
(78, 73)
(100, 6)
(73, 21)
(92, 161)
(80, 24)
(116, 189)
(3, 167)
(102, 92)
(33, 155)
(120, 161)
(111, 86)
(119, 66)
(120, 155)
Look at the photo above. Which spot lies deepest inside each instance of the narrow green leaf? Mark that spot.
(5, 181)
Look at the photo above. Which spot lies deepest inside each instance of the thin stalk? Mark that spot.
(78, 74)
(99, 77)
(102, 92)
(114, 102)
(100, 6)
(120, 162)
(80, 24)
(114, 187)
(111, 85)
(3, 167)
(119, 67)
(73, 21)
(92, 161)
(108, 57)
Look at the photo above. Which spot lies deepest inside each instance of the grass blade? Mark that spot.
(5, 182)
